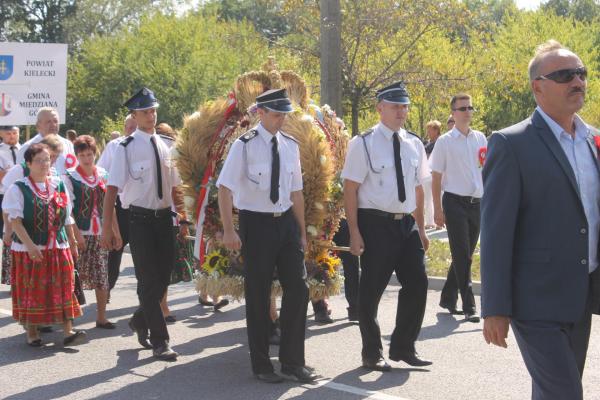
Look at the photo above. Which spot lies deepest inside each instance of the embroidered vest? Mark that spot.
(36, 217)
(84, 201)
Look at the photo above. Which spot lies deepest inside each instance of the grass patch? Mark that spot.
(438, 260)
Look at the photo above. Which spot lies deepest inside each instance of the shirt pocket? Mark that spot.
(288, 176)
(141, 170)
(385, 181)
(259, 176)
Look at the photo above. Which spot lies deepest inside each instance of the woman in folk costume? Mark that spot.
(86, 185)
(38, 208)
(20, 171)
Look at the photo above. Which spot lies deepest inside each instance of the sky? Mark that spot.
(528, 4)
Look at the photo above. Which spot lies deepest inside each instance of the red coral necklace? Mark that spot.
(92, 181)
(42, 194)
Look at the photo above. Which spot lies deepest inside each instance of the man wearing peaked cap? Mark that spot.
(383, 196)
(144, 175)
(262, 178)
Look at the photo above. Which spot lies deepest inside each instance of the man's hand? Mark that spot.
(357, 245)
(231, 240)
(495, 330)
(304, 244)
(438, 217)
(424, 239)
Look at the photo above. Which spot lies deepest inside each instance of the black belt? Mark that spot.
(266, 214)
(146, 212)
(384, 214)
(467, 199)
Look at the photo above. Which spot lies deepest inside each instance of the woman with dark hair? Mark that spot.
(86, 185)
(38, 207)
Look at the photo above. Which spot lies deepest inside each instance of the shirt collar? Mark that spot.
(143, 135)
(581, 129)
(388, 133)
(266, 135)
(455, 133)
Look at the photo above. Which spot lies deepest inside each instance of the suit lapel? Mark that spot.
(543, 130)
(593, 149)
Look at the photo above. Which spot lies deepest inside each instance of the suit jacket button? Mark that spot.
(583, 231)
(584, 261)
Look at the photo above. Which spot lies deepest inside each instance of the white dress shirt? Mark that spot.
(247, 172)
(14, 203)
(584, 167)
(133, 172)
(456, 157)
(108, 153)
(102, 177)
(377, 177)
(60, 163)
(6, 159)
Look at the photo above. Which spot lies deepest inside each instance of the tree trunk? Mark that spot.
(331, 47)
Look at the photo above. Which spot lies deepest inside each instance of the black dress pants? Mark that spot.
(391, 246)
(114, 256)
(462, 224)
(349, 263)
(153, 250)
(267, 243)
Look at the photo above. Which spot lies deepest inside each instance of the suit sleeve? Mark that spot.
(499, 215)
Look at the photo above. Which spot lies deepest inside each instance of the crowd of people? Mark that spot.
(534, 192)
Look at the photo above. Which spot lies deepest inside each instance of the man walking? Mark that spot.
(540, 226)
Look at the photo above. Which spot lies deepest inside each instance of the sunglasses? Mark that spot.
(565, 75)
(463, 109)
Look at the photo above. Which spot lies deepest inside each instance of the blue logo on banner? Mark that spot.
(6, 67)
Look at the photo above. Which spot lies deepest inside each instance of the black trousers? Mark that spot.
(391, 245)
(1, 219)
(267, 243)
(153, 250)
(350, 265)
(114, 256)
(462, 224)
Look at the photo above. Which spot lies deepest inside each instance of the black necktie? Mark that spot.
(399, 174)
(274, 171)
(14, 155)
(158, 171)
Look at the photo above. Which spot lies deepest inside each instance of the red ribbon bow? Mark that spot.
(482, 154)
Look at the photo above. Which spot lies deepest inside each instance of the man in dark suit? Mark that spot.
(539, 229)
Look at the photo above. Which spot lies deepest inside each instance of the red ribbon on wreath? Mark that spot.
(482, 153)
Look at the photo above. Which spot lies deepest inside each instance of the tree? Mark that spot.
(35, 20)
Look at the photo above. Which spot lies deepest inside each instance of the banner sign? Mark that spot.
(32, 75)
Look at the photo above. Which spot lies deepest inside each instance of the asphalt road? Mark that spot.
(214, 361)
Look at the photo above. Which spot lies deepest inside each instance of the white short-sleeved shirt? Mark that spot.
(457, 158)
(108, 153)
(247, 171)
(14, 204)
(133, 172)
(102, 177)
(377, 177)
(6, 159)
(60, 163)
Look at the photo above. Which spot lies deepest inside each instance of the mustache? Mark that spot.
(577, 90)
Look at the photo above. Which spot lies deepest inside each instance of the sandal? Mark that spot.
(221, 304)
(74, 339)
(35, 342)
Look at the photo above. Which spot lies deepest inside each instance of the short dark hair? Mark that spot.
(34, 149)
(457, 97)
(84, 143)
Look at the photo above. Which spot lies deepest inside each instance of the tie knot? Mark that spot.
(274, 140)
(13, 147)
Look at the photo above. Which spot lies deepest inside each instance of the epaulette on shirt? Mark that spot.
(251, 134)
(126, 141)
(285, 135)
(366, 133)
(415, 135)
(166, 137)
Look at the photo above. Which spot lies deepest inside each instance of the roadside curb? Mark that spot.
(437, 283)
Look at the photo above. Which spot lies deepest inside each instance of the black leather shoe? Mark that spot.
(105, 325)
(164, 353)
(322, 317)
(205, 303)
(269, 377)
(299, 374)
(77, 338)
(142, 336)
(170, 319)
(412, 359)
(451, 309)
(352, 314)
(222, 303)
(377, 365)
(472, 317)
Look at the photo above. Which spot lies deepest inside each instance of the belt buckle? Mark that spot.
(472, 200)
(277, 214)
(399, 216)
(156, 213)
